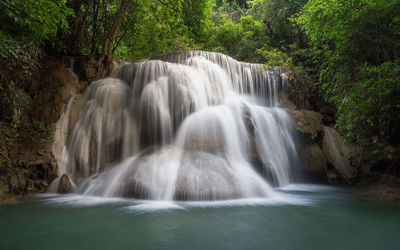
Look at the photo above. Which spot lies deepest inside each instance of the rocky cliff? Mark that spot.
(27, 167)
(322, 152)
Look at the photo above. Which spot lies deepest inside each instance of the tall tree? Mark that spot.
(105, 60)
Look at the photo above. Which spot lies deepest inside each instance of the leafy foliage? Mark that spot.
(36, 20)
(27, 26)
(257, 30)
(147, 28)
(358, 43)
(18, 61)
(370, 112)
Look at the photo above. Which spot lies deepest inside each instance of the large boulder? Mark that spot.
(308, 123)
(322, 151)
(64, 185)
(338, 154)
(313, 160)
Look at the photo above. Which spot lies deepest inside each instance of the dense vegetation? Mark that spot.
(358, 42)
(349, 49)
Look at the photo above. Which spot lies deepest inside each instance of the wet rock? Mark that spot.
(41, 168)
(211, 143)
(301, 90)
(52, 87)
(4, 187)
(74, 111)
(17, 184)
(64, 186)
(313, 160)
(379, 187)
(23, 171)
(306, 95)
(338, 154)
(204, 176)
(307, 123)
(321, 147)
(333, 176)
(31, 174)
(254, 155)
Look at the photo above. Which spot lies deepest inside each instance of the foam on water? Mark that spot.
(137, 205)
(76, 200)
(307, 187)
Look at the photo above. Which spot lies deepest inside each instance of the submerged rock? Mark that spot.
(64, 186)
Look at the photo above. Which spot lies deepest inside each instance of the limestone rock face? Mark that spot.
(53, 86)
(301, 90)
(321, 147)
(4, 187)
(64, 186)
(74, 111)
(338, 153)
(305, 95)
(313, 160)
(308, 123)
(32, 173)
(25, 170)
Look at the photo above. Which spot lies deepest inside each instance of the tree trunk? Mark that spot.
(93, 48)
(77, 25)
(104, 63)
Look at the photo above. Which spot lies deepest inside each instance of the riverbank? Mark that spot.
(379, 187)
(27, 164)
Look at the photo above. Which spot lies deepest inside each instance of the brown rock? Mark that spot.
(301, 89)
(4, 187)
(64, 186)
(74, 111)
(52, 87)
(308, 123)
(338, 153)
(313, 160)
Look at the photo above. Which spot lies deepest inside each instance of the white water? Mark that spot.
(184, 126)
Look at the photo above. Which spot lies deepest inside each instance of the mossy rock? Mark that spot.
(313, 160)
(64, 186)
(308, 123)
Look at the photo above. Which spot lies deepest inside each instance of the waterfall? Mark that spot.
(189, 125)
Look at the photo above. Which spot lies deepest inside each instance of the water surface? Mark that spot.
(300, 217)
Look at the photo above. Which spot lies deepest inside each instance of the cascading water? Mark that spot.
(183, 126)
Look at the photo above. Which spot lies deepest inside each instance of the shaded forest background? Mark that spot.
(349, 50)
